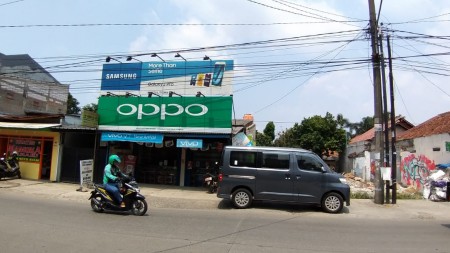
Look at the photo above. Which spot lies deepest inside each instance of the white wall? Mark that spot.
(424, 146)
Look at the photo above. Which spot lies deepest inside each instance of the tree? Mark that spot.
(266, 138)
(72, 105)
(364, 125)
(269, 130)
(318, 134)
(288, 138)
(91, 107)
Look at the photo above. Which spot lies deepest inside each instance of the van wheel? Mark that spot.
(242, 198)
(332, 203)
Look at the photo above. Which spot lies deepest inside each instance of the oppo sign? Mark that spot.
(152, 109)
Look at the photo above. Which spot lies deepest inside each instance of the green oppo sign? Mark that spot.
(166, 114)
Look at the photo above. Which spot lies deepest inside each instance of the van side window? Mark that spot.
(275, 160)
(308, 163)
(243, 159)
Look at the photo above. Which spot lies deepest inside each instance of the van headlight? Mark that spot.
(343, 180)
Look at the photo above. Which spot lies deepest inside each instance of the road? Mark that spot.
(32, 224)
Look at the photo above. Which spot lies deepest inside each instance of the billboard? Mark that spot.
(166, 114)
(186, 78)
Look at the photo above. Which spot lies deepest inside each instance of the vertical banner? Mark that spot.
(86, 173)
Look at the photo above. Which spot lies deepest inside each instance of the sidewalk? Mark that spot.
(163, 196)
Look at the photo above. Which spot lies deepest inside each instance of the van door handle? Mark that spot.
(298, 177)
(288, 176)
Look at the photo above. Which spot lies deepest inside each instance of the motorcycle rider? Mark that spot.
(13, 161)
(111, 176)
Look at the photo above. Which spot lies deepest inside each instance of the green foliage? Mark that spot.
(318, 134)
(266, 138)
(363, 126)
(400, 195)
(360, 195)
(91, 107)
(72, 105)
(269, 131)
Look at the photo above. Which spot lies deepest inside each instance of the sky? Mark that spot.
(294, 59)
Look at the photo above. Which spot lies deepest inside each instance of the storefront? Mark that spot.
(37, 146)
(166, 140)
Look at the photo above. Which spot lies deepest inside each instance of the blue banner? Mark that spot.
(189, 143)
(152, 71)
(123, 76)
(132, 137)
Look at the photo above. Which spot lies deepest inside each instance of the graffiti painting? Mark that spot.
(415, 170)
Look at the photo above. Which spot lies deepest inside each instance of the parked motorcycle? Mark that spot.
(10, 167)
(212, 179)
(102, 200)
(211, 182)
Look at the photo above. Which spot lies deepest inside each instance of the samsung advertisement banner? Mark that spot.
(186, 78)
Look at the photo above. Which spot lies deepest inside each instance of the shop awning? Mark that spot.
(27, 125)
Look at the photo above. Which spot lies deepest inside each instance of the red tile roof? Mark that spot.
(439, 124)
(367, 136)
(370, 134)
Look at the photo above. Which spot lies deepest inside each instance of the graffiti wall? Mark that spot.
(414, 170)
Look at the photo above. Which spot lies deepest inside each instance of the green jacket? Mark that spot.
(110, 174)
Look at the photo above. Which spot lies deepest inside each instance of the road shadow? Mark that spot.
(225, 204)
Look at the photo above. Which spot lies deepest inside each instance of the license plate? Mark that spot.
(208, 179)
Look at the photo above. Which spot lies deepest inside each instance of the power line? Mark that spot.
(12, 2)
(165, 24)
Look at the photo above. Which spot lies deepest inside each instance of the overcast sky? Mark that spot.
(323, 67)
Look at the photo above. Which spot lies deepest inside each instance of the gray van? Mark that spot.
(280, 174)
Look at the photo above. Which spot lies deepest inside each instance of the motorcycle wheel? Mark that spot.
(211, 188)
(94, 205)
(19, 176)
(139, 207)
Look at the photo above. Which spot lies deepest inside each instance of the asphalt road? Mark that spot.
(33, 224)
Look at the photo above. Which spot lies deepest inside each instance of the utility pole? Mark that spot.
(393, 132)
(378, 155)
(385, 114)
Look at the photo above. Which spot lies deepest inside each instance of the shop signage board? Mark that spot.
(89, 119)
(189, 143)
(121, 77)
(182, 77)
(29, 150)
(86, 172)
(166, 114)
(132, 137)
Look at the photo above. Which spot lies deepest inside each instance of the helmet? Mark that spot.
(14, 153)
(113, 158)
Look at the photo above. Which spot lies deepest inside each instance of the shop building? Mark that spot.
(31, 103)
(165, 140)
(168, 121)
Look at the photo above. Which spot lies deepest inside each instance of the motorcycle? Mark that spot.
(10, 167)
(211, 182)
(102, 200)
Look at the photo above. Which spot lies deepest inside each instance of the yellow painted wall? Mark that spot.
(31, 170)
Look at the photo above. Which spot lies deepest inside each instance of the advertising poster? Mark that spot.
(29, 150)
(183, 78)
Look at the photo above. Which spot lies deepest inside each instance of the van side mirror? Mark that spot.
(323, 169)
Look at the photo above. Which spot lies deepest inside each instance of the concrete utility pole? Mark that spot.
(378, 155)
